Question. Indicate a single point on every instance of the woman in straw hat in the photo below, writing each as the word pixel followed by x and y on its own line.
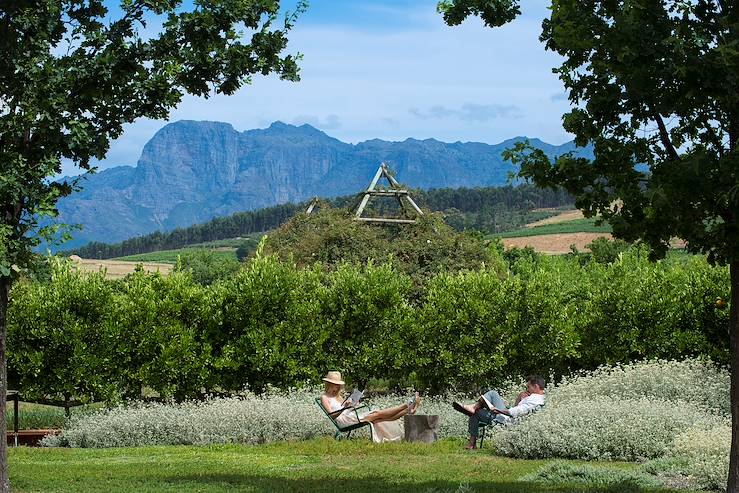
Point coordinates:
pixel 383 422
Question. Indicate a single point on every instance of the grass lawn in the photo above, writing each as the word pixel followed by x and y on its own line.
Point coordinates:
pixel 320 465
pixel 574 226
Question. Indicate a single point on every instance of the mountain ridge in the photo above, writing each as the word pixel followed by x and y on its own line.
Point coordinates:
pixel 191 171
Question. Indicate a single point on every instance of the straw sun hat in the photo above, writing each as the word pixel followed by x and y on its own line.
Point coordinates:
pixel 333 377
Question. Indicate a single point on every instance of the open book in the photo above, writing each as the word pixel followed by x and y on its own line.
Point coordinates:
pixel 353 399
pixel 490 406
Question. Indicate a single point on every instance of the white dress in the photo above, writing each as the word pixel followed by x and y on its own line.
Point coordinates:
pixel 386 431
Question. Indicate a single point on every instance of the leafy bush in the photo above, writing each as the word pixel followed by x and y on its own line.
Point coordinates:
pixel 57 337
pixel 206 266
pixel 332 238
pixel 275 323
pixel 156 338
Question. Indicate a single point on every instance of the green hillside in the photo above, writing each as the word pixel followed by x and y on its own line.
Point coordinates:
pixel 170 256
pixel 573 226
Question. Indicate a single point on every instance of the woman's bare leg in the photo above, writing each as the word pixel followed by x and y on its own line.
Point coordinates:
pixel 389 414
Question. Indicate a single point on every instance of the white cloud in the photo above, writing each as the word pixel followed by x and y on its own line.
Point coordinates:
pixel 359 83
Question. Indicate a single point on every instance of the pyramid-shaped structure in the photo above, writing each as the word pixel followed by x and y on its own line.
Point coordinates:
pixel 395 190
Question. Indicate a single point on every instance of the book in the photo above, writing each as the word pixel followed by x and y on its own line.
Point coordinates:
pixel 488 405
pixel 353 399
pixel 491 407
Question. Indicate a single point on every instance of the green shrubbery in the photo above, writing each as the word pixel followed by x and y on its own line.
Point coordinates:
pixel 82 337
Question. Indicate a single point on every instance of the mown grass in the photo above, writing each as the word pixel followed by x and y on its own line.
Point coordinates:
pixel 575 226
pixel 321 465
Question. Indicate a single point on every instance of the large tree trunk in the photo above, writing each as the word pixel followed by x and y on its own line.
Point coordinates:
pixel 4 299
pixel 733 482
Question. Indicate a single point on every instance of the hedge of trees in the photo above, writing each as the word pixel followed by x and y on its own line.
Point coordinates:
pixel 80 337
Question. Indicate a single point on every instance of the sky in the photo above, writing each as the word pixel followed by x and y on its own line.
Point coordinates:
pixel 391 69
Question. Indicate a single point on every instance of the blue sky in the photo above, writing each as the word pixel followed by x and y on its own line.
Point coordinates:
pixel 393 70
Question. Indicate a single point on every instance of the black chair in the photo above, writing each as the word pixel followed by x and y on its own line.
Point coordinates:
pixel 345 431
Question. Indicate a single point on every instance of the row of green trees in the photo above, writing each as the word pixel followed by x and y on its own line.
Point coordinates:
pixel 82 337
pixel 487 208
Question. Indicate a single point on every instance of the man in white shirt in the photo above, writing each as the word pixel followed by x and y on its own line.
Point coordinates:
pixel 491 407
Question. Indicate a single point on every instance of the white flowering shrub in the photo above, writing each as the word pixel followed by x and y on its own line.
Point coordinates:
pixel 601 428
pixel 245 419
pixel 700 457
pixel 248 419
pixel 693 381
pixel 675 412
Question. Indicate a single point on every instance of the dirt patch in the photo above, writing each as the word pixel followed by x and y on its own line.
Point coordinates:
pixel 556 243
pixel 116 269
pixel 559 218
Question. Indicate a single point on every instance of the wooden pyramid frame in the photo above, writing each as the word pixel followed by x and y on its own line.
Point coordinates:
pixel 395 190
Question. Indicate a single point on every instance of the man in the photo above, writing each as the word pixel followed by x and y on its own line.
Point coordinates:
pixel 490 407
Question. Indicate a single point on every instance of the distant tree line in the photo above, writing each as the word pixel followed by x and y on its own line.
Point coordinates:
pixel 488 209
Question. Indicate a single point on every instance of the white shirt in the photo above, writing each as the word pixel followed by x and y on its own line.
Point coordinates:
pixel 527 405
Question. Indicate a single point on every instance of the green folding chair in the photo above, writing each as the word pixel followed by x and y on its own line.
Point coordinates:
pixel 484 425
pixel 344 431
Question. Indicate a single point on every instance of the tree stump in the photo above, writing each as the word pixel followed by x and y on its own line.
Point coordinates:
pixel 421 427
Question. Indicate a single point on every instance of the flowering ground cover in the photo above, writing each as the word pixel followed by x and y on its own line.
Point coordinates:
pixel 318 465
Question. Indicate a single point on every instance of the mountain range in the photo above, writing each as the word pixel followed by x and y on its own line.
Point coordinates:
pixel 192 171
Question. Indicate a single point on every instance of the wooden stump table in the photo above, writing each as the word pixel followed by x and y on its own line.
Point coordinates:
pixel 421 427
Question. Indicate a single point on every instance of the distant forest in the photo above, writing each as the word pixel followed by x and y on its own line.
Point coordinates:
pixel 488 209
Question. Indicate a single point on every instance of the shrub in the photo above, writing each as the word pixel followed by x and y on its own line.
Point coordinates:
pixel 158 342
pixel 691 381
pixel 602 428
pixel 58 342
pixel 248 419
pixel 699 456
pixel 206 265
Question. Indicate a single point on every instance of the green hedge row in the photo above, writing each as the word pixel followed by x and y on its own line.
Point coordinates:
pixel 79 336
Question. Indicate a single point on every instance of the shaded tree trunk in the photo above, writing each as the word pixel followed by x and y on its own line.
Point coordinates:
pixel 4 300
pixel 733 481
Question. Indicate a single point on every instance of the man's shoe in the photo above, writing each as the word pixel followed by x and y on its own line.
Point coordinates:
pixel 459 407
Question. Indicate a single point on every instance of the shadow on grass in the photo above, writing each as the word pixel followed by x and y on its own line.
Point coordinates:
pixel 237 482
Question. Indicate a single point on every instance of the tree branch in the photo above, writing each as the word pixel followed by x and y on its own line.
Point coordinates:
pixel 665 138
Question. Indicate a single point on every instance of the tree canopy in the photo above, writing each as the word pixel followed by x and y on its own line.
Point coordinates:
pixel 74 72
pixel 653 87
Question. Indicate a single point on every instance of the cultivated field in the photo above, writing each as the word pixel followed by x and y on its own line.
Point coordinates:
pixel 117 269
pixel 555 235
pixel 559 218
pixel 554 243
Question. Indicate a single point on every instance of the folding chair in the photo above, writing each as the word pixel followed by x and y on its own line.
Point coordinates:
pixel 345 431
pixel 484 425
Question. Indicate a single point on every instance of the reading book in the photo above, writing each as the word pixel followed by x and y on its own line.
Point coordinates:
pixel 489 405
pixel 354 398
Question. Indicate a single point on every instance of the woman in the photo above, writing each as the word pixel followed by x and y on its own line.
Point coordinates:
pixel 383 422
